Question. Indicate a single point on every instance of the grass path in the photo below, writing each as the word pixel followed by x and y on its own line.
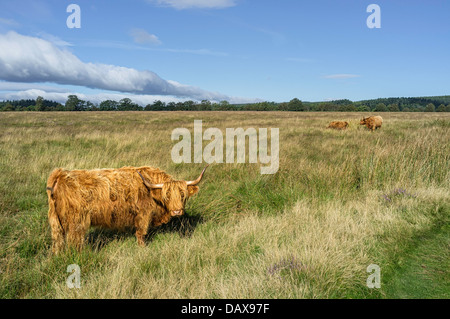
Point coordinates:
pixel 425 270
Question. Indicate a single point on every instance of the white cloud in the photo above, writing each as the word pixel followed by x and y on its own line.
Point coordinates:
pixel 30 59
pixel 341 76
pixel 143 37
pixel 12 86
pixel 186 4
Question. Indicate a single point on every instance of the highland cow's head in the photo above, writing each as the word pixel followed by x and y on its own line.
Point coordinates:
pixel 174 194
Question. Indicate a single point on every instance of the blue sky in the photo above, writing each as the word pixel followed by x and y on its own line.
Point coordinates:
pixel 238 50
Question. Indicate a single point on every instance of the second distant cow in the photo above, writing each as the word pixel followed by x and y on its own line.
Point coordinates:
pixel 338 125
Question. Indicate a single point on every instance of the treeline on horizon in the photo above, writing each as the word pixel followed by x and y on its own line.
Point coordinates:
pixel 73 103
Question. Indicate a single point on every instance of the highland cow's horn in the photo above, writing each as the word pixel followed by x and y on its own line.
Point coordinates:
pixel 147 184
pixel 193 183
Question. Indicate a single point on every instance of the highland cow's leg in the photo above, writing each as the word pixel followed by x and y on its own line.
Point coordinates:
pixel 140 238
pixel 141 223
pixel 75 236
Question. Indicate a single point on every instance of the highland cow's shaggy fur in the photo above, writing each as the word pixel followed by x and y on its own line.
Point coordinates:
pixel 372 122
pixel 111 198
pixel 338 125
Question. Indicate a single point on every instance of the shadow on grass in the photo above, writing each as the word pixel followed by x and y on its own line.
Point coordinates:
pixel 185 225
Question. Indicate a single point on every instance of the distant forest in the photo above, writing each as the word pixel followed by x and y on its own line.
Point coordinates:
pixel 401 104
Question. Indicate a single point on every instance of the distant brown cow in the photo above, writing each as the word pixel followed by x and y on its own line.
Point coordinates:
pixel 372 122
pixel 338 125
pixel 113 198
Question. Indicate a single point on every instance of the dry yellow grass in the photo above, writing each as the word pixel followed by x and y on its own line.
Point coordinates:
pixel 300 253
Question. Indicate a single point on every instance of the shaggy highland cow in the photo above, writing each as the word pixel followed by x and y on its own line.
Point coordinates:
pixel 372 122
pixel 338 125
pixel 113 198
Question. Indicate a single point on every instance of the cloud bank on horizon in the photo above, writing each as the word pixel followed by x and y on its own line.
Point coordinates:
pixel 57 95
pixel 27 59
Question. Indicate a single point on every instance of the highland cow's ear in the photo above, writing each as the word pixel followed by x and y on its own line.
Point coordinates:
pixel 192 190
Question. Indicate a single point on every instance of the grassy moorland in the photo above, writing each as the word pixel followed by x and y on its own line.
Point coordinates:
pixel 340 201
